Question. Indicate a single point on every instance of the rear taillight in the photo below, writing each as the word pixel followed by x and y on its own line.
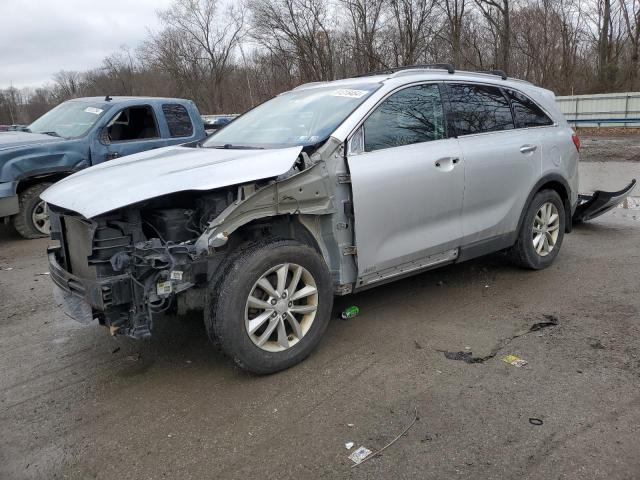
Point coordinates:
pixel 576 141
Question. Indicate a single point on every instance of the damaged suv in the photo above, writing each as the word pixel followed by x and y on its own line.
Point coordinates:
pixel 324 190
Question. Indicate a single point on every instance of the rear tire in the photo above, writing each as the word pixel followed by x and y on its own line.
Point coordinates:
pixel 252 315
pixel 32 220
pixel 541 233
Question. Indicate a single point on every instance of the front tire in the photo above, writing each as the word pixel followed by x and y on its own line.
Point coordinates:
pixel 32 221
pixel 541 233
pixel 270 306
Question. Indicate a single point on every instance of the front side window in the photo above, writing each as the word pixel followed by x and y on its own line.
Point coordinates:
pixel 412 115
pixel 178 120
pixel 527 113
pixel 297 118
pixel 479 109
pixel 133 123
pixel 69 119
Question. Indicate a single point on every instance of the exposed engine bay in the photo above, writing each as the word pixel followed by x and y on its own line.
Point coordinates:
pixel 150 244
pixel 159 255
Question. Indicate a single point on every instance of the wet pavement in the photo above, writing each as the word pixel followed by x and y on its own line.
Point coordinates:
pixel 76 403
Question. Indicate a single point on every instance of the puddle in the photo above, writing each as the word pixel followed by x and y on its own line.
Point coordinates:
pixel 630 203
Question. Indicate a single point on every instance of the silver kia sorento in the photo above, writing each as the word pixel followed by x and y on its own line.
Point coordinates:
pixel 328 189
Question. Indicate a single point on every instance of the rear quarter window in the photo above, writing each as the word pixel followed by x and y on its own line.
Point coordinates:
pixel 527 113
pixel 178 120
pixel 479 109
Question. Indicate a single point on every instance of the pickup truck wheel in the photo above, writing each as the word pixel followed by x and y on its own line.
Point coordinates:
pixel 32 221
pixel 271 306
pixel 541 233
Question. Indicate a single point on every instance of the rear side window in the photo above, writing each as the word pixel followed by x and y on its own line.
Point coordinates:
pixel 412 115
pixel 178 120
pixel 479 109
pixel 527 113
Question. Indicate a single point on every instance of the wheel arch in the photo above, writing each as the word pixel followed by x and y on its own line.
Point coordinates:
pixel 49 177
pixel 556 182
pixel 303 228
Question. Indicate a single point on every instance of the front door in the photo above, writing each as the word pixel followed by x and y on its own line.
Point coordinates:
pixel 407 181
pixel 132 130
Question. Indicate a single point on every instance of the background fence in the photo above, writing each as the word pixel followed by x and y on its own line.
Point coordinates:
pixel 602 110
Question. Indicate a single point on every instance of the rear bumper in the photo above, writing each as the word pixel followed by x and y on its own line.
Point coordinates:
pixel 77 296
pixel 9 204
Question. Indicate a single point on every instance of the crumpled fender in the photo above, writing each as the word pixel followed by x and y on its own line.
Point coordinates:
pixel 306 192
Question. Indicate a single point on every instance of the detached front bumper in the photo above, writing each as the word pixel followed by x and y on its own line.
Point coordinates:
pixel 82 298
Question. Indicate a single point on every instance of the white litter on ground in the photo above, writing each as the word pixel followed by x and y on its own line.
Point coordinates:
pixel 359 455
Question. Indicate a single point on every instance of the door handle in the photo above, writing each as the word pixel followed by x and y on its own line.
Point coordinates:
pixel 443 161
pixel 528 148
pixel 112 155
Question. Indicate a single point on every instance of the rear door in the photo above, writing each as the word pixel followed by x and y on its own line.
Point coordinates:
pixel 179 124
pixel 407 182
pixel 502 162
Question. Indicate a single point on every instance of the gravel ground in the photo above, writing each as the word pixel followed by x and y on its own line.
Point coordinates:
pixel 618 148
pixel 76 403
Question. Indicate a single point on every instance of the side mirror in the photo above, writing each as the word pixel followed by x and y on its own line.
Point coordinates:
pixel 356 142
pixel 103 136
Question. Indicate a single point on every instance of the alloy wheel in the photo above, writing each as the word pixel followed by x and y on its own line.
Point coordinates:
pixel 281 307
pixel 546 227
pixel 40 218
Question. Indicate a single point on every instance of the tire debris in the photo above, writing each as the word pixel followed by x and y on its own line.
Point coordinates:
pixel 467 357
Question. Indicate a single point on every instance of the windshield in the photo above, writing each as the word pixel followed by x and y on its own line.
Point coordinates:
pixel 69 119
pixel 296 118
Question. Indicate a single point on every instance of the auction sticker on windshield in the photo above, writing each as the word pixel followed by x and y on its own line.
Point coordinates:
pixel 348 92
pixel 94 110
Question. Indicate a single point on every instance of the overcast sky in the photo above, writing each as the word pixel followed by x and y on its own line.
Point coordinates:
pixel 41 37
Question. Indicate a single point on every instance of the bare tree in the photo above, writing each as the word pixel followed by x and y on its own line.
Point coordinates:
pixel 296 29
pixel 631 14
pixel 498 15
pixel 366 17
pixel 207 50
pixel 196 46
pixel 454 11
pixel 415 23
pixel 67 84
pixel 604 42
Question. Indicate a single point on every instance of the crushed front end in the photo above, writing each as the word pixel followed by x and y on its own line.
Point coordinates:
pixel 122 268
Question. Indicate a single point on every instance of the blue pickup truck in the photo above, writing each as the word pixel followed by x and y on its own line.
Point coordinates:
pixel 80 133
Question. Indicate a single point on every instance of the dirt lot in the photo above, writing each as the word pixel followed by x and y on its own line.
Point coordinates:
pixel 599 148
pixel 76 403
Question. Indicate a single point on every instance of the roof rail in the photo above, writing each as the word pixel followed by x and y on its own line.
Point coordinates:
pixel 444 66
pixel 501 73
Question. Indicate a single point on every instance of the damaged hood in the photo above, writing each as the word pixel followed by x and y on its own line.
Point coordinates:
pixel 132 179
pixel 10 140
pixel 24 154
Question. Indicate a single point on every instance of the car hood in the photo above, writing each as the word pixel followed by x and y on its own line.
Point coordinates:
pixel 11 140
pixel 25 155
pixel 132 179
